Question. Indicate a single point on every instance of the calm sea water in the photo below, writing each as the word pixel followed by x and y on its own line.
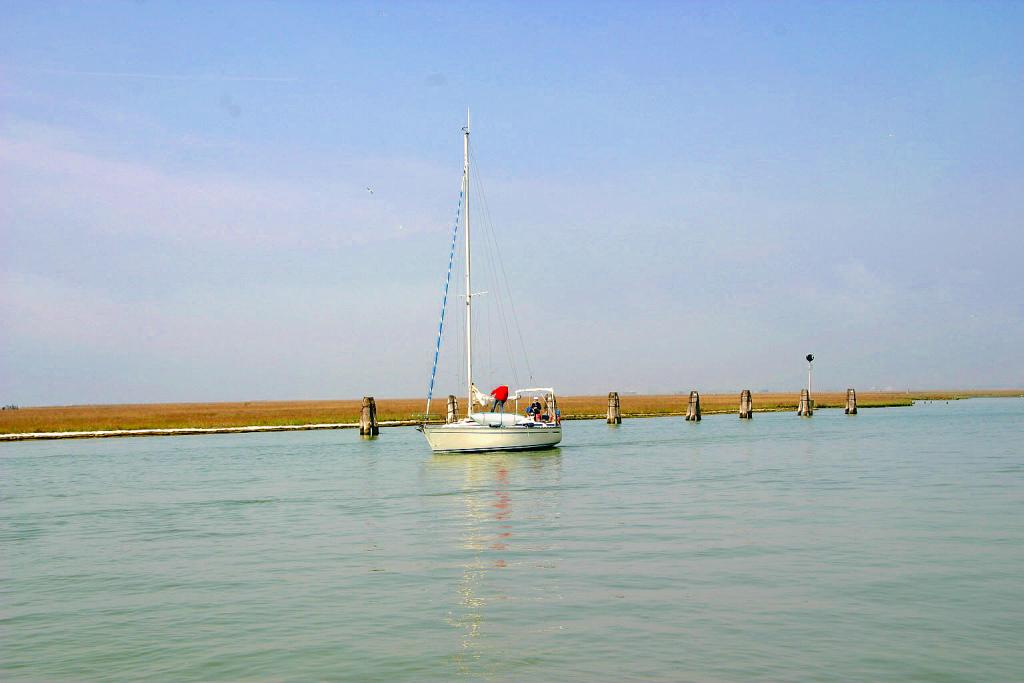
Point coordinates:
pixel 886 546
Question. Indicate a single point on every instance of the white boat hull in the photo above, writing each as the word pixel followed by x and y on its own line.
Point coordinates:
pixel 462 437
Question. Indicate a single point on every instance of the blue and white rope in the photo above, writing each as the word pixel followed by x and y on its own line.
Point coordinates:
pixel 444 300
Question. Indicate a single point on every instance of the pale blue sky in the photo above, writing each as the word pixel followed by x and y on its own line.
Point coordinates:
pixel 699 194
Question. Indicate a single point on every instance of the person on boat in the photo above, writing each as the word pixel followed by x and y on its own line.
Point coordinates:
pixel 500 395
pixel 535 408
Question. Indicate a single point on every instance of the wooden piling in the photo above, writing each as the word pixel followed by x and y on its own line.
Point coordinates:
pixel 614 408
pixel 851 402
pixel 746 405
pixel 368 417
pixel 693 407
pixel 806 408
pixel 453 409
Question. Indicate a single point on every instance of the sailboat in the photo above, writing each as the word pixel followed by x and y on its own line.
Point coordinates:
pixel 488 430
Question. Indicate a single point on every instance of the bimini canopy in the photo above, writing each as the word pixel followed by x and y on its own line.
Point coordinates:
pixel 542 391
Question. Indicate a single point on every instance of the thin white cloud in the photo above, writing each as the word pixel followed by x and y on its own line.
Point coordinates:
pixel 228 78
pixel 115 196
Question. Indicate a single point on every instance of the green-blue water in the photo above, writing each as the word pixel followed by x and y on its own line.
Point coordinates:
pixel 886 546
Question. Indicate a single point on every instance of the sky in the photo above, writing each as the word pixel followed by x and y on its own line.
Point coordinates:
pixel 682 195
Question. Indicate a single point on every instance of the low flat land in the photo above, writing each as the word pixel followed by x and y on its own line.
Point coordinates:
pixel 281 413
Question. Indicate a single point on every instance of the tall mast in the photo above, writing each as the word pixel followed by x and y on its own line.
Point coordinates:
pixel 469 290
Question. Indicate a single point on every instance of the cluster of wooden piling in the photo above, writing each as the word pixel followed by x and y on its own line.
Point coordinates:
pixel 746 405
pixel 806 408
pixel 693 407
pixel 614 408
pixel 368 418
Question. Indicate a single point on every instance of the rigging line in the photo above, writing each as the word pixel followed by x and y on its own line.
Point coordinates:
pixel 501 261
pixel 507 332
pixel 489 324
pixel 460 344
pixel 503 317
pixel 444 300
pixel 504 273
pixel 489 261
pixel 460 357
pixel 490 233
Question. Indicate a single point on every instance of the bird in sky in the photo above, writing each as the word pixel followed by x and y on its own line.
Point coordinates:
pixel 370 190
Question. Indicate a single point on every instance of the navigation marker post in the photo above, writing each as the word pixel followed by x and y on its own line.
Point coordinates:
pixel 806 408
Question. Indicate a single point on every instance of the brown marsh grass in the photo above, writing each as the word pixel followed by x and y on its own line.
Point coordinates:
pixel 278 413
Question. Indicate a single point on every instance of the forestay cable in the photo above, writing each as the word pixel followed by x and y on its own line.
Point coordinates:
pixel 444 300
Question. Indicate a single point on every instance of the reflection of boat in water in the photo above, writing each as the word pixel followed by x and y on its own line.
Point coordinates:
pixel 488 431
pixel 506 503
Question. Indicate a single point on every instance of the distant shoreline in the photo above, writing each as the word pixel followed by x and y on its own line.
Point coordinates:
pixel 166 419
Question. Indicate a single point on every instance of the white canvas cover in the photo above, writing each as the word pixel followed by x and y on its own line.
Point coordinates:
pixel 503 419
